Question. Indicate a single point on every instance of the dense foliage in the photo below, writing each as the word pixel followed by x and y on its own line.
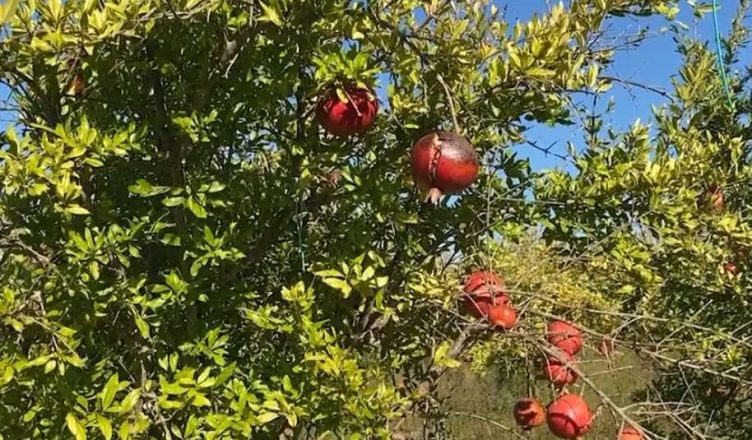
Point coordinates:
pixel 187 254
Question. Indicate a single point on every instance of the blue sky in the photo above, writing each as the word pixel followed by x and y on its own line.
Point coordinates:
pixel 654 62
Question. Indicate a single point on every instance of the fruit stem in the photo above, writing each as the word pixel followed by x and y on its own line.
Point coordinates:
pixel 352 102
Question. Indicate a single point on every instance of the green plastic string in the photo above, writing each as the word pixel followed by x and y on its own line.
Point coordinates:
pixel 719 55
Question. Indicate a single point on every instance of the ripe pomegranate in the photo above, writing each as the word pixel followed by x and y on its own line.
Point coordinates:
pixel 555 369
pixel 479 305
pixel 564 336
pixel 444 163
pixel 568 417
pixel 502 316
pixel 529 413
pixel 484 280
pixel 730 268
pixel 483 290
pixel 347 118
pixel 630 433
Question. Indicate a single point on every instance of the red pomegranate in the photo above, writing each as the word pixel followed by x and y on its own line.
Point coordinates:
pixel 479 305
pixel 529 413
pixel 730 268
pixel 630 433
pixel 555 369
pixel 444 163
pixel 502 316
pixel 564 336
pixel 568 417
pixel 483 290
pixel 347 118
pixel 484 280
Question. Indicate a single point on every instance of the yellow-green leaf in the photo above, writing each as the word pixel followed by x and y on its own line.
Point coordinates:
pixel 75 427
pixel 270 14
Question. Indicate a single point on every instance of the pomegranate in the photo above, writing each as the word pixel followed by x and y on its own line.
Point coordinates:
pixel 714 198
pixel 730 268
pixel 502 316
pixel 568 417
pixel 444 163
pixel 480 305
pixel 564 336
pixel 555 369
pixel 347 118
pixel 483 290
pixel 529 413
pixel 484 280
pixel 630 433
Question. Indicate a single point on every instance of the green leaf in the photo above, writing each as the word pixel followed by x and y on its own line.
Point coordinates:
pixel 195 207
pixel 171 240
pixel 540 72
pixel 125 430
pixel 173 201
pixel 129 401
pixel 110 388
pixel 76 209
pixel 75 427
pixel 266 417
pixel 105 426
pixel 199 400
pixel 142 325
pixel 270 14
pixel 339 284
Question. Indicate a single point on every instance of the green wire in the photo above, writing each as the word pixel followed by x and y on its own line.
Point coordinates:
pixel 719 55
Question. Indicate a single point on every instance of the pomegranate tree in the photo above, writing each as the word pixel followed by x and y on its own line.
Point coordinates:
pixel 352 115
pixel 444 163
pixel 564 336
pixel 569 416
pixel 529 413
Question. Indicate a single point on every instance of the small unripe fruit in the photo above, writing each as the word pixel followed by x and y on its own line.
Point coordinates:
pixel 444 163
pixel 529 413
pixel 503 316
pixel 347 118
pixel 730 268
pixel 564 336
pixel 568 417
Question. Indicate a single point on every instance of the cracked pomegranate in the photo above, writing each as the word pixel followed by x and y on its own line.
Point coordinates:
pixel 555 369
pixel 483 290
pixel 444 163
pixel 568 417
pixel 564 336
pixel 529 413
